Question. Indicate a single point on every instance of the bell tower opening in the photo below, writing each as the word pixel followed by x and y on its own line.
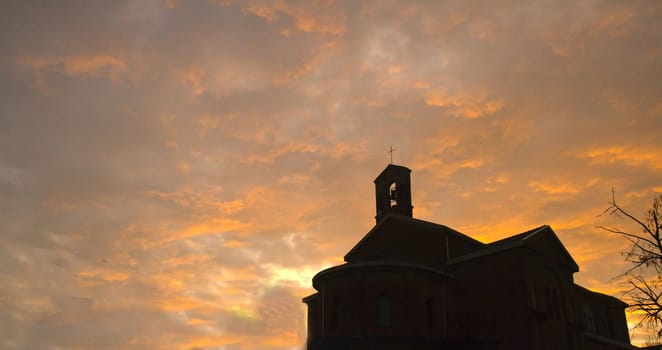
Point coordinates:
pixel 393 192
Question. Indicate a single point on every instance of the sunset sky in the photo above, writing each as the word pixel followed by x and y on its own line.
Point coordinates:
pixel 173 173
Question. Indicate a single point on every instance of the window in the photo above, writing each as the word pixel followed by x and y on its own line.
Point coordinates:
pixel 384 311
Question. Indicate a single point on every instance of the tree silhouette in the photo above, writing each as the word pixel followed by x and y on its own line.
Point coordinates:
pixel 644 277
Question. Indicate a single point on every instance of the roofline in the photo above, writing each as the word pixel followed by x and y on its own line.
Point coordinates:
pixel 513 242
pixel 452 230
pixel 527 234
pixel 390 216
pixel 308 298
pixel 574 263
pixel 489 250
pixel 391 165
pixel 379 264
pixel 365 237
pixel 602 295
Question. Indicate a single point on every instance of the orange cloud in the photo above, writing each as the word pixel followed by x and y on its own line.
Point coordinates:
pixel 312 19
pixel 211 227
pixel 656 111
pixel 235 244
pixel 465 106
pixel 100 276
pixel 356 151
pixel 300 275
pixel 215 341
pixel 186 260
pixel 578 35
pixel 177 303
pixel 310 63
pixel 588 245
pixel 442 168
pixel 612 23
pixel 199 322
pixel 193 78
pixel 272 155
pixel 492 231
pixel 78 65
pixel 560 187
pixel 219 80
pixel 101 65
pixel 650 157
pixel 203 201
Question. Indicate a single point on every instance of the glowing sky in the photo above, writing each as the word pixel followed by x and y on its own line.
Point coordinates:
pixel 172 174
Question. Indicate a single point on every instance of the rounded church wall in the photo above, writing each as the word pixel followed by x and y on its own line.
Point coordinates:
pixel 387 299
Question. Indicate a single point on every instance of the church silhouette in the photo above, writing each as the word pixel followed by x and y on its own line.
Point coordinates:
pixel 413 284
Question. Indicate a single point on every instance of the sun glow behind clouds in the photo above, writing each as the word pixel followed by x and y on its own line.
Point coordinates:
pixel 301 276
pixel 173 174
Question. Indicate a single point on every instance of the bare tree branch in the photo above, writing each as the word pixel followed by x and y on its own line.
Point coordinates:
pixel 644 277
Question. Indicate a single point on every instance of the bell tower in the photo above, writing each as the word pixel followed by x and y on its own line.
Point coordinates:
pixel 393 192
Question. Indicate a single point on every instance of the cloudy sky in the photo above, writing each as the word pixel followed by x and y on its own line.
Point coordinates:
pixel 172 174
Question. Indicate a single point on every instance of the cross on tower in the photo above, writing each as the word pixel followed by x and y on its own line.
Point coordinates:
pixel 391 149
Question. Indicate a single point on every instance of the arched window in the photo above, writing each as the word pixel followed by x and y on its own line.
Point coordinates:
pixel 430 312
pixel 384 311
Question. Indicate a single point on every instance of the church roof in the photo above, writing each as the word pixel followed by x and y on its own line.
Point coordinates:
pixel 392 168
pixel 400 237
pixel 379 265
pixel 414 227
pixel 603 298
pixel 500 245
pixel 520 236
pixel 527 239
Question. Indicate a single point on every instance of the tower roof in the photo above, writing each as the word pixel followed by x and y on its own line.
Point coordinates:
pixel 392 169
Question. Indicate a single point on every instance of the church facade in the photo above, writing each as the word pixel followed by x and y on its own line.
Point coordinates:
pixel 413 284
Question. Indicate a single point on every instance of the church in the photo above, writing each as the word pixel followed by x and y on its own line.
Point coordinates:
pixel 414 284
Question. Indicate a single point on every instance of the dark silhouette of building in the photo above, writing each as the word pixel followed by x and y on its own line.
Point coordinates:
pixel 413 284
